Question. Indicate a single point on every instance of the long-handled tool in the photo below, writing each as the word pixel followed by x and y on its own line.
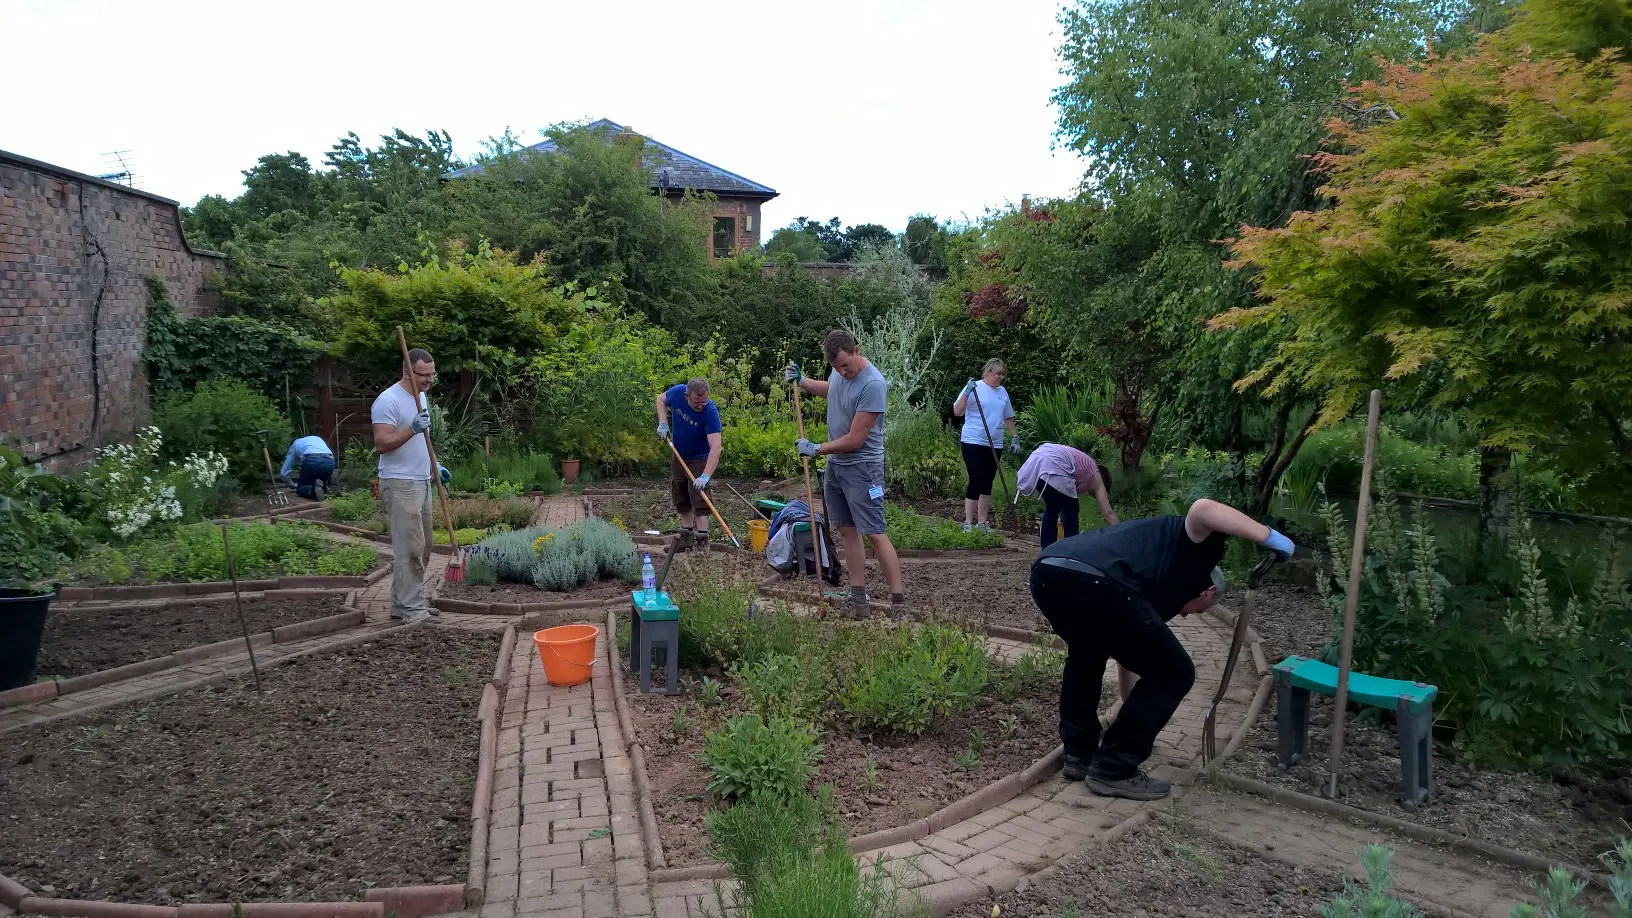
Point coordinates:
pixel 238 602
pixel 275 498
pixel 810 501
pixel 996 459
pixel 1243 621
pixel 702 492
pixel 456 563
pixel 1351 599
pixel 750 504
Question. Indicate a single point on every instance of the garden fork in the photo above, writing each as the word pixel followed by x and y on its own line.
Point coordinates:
pixel 1243 621
pixel 275 498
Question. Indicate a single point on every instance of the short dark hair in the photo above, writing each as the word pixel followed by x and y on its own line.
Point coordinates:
pixel 419 355
pixel 838 340
pixel 697 386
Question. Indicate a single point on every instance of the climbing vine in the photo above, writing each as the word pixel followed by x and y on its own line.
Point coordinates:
pixel 182 352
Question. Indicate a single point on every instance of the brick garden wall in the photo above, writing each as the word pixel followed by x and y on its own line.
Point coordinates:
pixel 67 240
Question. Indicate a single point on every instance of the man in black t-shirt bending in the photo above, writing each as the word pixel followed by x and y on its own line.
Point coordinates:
pixel 1109 595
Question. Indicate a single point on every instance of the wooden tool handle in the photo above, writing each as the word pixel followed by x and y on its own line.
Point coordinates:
pixel 810 499
pixel 701 492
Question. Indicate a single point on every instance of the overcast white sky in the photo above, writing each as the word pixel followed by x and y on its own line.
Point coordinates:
pixel 869 111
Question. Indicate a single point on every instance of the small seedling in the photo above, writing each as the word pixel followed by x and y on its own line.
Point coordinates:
pixel 600 833
pixel 711 692
pixel 967 760
pixel 682 724
pixel 869 773
pixel 977 742
pixel 1007 726
pixel 1071 910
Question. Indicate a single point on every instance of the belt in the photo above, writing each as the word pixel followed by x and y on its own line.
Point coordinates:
pixel 1073 565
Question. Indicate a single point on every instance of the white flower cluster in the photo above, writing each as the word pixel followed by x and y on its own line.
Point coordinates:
pixel 134 500
pixel 205 470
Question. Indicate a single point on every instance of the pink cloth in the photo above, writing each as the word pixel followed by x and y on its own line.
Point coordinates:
pixel 1068 470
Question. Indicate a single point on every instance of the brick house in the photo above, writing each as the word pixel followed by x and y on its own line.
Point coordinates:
pixel 75 255
pixel 736 215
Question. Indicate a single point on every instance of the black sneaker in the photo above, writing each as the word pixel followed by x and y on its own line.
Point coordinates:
pixel 318 490
pixel 1075 769
pixel 1138 787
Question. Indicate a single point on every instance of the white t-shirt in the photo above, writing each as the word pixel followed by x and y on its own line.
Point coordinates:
pixel 411 460
pixel 998 408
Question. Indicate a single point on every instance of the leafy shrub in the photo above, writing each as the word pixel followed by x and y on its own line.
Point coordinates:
pixel 715 624
pixel 754 759
pixel 37 535
pixel 912 530
pixel 921 457
pixel 480 569
pixel 765 450
pixel 195 554
pixel 353 506
pixel 1059 415
pixel 1419 468
pixel 511 554
pixel 560 559
pixel 485 513
pixel 1038 667
pixel 1376 898
pixel 131 491
pixel 222 416
pixel 521 470
pixel 902 678
pixel 783 685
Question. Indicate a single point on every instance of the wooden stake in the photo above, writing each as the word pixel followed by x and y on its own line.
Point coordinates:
pixel 238 601
pixel 1351 599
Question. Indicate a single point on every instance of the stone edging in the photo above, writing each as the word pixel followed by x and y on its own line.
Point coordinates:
pixel 637 756
pixel 205 588
pixel 465 607
pixel 45 691
pixel 1465 844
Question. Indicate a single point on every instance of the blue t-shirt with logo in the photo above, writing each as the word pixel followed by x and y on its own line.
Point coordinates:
pixel 689 427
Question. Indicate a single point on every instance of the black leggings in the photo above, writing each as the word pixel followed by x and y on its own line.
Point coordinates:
pixel 1057 507
pixel 982 467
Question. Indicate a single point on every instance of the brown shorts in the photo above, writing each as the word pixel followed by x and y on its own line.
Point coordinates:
pixel 687 502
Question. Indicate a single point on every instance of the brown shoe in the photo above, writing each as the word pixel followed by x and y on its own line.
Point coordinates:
pixel 702 542
pixel 685 540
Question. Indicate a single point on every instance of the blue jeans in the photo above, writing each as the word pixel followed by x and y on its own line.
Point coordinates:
pixel 312 470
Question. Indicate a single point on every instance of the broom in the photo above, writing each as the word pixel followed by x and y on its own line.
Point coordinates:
pixel 1243 620
pixel 456 564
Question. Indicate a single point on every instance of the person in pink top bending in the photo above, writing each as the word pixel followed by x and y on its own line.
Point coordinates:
pixel 1060 474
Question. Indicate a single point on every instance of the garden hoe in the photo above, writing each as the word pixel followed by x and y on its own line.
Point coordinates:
pixel 1243 621
pixel 702 493
pixel 1014 517
pixel 275 498
pixel 456 562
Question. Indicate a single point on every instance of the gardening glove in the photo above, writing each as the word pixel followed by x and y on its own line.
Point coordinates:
pixel 287 481
pixel 662 430
pixel 1280 545
pixel 443 473
pixel 968 387
pixel 792 374
pixel 702 481
pixel 1014 445
pixel 420 423
pixel 805 447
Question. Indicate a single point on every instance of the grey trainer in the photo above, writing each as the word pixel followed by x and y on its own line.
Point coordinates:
pixel 1138 787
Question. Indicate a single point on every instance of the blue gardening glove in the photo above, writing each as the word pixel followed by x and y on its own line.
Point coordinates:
pixel 792 373
pixel 420 423
pixel 1280 545
pixel 662 430
pixel 968 387
pixel 805 447
pixel 702 481
pixel 1014 445
pixel 443 473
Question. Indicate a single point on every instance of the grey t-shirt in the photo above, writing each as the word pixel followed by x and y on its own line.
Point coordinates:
pixel 845 397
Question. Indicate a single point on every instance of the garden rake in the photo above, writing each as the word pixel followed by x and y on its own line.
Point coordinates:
pixel 275 498
pixel 1243 621
pixel 455 572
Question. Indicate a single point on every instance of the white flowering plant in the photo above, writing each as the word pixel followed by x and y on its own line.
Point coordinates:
pixel 136 493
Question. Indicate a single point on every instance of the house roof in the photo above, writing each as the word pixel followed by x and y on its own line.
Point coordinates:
pixel 674 170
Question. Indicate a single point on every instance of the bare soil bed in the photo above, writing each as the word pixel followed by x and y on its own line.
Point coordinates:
pixel 1165 870
pixel 353 769
pixel 1571 819
pixel 87 640
pixel 915 776
pixel 652 508
pixel 519 593
pixel 999 594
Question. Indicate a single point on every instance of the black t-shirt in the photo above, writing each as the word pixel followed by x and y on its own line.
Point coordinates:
pixel 1153 557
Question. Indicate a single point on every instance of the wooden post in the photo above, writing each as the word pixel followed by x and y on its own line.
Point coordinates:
pixel 1351 599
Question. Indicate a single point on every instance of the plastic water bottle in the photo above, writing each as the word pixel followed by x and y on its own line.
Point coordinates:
pixel 648 582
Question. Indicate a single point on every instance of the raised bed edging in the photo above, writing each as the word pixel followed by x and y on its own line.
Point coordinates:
pixel 475 888
pixel 465 607
pixel 637 756
pixel 210 587
pixel 45 691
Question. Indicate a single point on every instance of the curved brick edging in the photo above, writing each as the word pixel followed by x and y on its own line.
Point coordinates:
pixel 1463 843
pixel 649 838
pixel 45 691
pixel 418 901
pixel 481 804
pixel 501 667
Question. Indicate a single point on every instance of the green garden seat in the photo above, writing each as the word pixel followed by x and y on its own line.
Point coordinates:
pixel 656 628
pixel 1411 702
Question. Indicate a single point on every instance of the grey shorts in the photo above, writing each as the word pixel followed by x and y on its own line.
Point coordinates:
pixel 847 494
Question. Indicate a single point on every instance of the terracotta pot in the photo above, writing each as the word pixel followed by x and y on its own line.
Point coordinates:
pixel 569 470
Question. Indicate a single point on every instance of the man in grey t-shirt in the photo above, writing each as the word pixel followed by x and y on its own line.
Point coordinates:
pixel 853 487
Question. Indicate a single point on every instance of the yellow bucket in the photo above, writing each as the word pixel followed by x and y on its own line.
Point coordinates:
pixel 1059 528
pixel 759 535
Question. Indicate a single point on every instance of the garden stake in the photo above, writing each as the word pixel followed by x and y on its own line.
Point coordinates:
pixel 701 493
pixel 810 501
pixel 1351 598
pixel 232 571
pixel 1013 517
pixel 1243 621
pixel 275 498
pixel 455 572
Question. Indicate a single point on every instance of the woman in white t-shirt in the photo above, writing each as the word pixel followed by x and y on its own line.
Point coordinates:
pixel 987 412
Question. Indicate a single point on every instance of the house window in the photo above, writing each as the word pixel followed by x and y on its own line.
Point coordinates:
pixel 725 236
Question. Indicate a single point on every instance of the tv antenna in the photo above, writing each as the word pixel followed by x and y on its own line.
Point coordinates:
pixel 125 174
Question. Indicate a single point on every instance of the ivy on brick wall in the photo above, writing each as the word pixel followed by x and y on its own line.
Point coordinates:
pixel 183 352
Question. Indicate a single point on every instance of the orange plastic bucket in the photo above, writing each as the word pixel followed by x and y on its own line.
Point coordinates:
pixel 568 652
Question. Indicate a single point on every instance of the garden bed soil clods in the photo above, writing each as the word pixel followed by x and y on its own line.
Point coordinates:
pixel 87 640
pixel 915 775
pixel 1574 818
pixel 518 593
pixel 986 590
pixel 354 769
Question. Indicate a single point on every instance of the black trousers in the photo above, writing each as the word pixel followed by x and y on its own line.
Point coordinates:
pixel 1058 508
pixel 982 467
pixel 1100 621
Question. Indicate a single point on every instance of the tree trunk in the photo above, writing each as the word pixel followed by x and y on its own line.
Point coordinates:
pixel 1495 499
pixel 1269 474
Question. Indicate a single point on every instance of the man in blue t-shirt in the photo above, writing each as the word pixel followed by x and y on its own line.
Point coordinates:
pixel 696 434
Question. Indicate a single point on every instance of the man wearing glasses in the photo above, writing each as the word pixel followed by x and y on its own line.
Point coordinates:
pixel 401 416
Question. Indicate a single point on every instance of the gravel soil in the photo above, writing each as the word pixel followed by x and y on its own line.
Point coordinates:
pixel 1567 818
pixel 353 769
pixel 87 640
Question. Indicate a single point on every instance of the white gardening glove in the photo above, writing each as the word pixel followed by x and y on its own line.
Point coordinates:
pixel 420 423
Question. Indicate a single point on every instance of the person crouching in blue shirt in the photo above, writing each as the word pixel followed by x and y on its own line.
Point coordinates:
pixel 695 432
pixel 316 467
